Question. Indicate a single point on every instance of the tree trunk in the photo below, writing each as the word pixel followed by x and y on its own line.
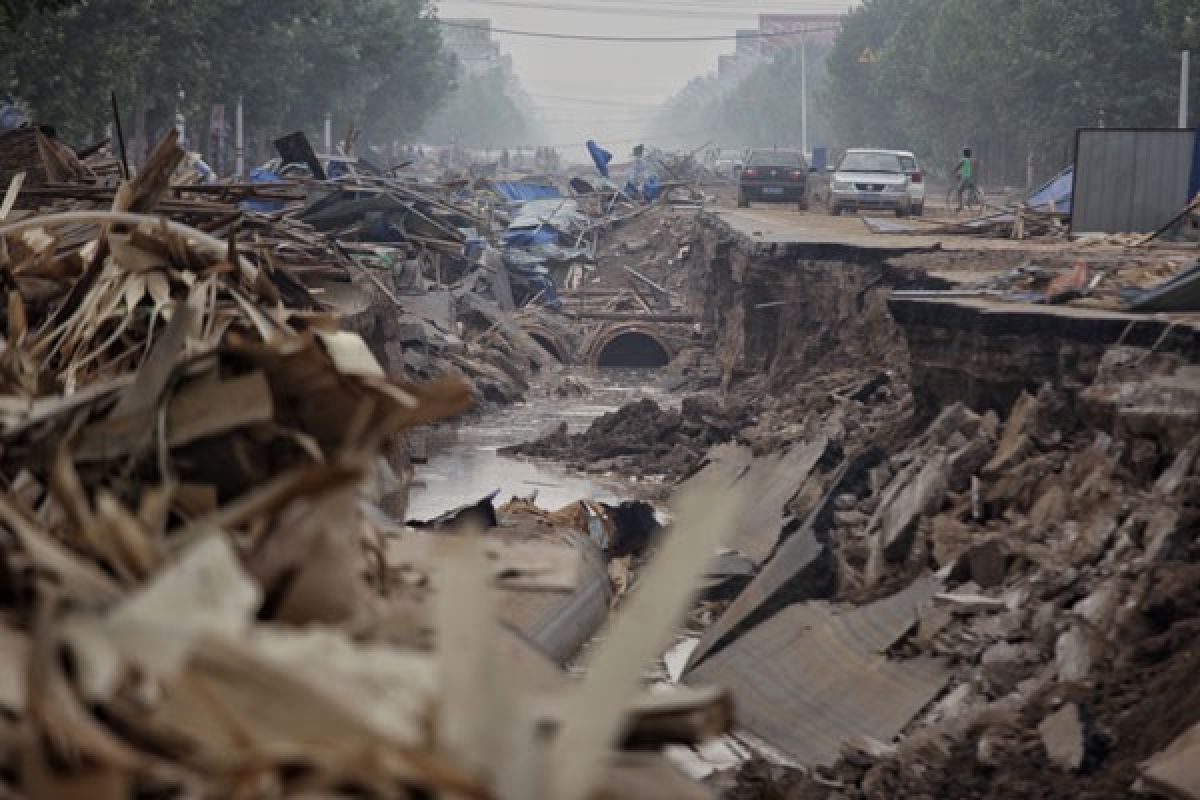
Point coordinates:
pixel 139 145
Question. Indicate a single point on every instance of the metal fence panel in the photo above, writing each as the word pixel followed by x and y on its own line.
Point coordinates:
pixel 1130 181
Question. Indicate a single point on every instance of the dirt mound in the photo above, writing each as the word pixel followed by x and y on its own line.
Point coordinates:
pixel 642 438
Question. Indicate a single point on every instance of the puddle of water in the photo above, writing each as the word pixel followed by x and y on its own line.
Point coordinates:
pixel 464 464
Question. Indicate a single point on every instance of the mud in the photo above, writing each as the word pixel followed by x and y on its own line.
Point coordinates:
pixel 642 439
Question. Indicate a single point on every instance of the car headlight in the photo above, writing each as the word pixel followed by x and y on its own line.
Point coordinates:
pixel 843 186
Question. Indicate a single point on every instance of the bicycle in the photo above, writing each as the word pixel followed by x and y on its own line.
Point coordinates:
pixel 972 199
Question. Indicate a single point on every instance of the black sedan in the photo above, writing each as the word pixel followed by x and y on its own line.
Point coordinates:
pixel 774 176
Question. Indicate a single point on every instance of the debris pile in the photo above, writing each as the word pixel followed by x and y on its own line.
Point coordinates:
pixel 395 259
pixel 201 595
pixel 1013 604
pixel 1130 280
pixel 642 439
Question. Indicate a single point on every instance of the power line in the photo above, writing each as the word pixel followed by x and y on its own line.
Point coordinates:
pixel 580 37
pixel 667 10
pixel 591 102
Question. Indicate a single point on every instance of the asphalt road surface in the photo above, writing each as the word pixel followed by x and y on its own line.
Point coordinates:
pixel 783 224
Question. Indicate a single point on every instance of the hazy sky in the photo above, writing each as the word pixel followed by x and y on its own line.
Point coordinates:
pixel 603 90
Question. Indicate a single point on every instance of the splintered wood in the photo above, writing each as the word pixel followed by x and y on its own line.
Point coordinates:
pixel 199 598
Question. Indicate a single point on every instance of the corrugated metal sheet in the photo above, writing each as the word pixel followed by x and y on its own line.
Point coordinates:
pixel 1130 181
pixel 1055 194
pixel 559 623
pixel 802 566
pixel 772 480
pixel 813 676
pixel 1178 293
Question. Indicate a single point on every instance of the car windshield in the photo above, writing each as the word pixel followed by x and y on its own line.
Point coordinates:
pixel 909 164
pixel 775 158
pixel 871 162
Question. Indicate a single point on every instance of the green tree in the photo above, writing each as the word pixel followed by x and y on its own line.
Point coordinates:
pixel 855 98
pixel 13 12
pixel 378 63
pixel 1012 79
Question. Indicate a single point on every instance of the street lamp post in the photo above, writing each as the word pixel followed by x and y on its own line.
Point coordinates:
pixel 1184 87
pixel 804 93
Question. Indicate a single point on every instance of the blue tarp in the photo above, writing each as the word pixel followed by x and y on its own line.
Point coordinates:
pixel 652 189
pixel 1059 191
pixel 599 155
pixel 528 237
pixel 263 175
pixel 528 270
pixel 11 117
pixel 520 192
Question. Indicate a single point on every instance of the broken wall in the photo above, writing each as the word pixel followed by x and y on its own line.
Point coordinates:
pixel 985 354
pixel 786 309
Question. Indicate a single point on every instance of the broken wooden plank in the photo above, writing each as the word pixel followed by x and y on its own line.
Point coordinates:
pixel 216 407
pixel 10 196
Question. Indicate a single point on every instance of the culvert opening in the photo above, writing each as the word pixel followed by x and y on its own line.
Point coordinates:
pixel 633 349
pixel 549 346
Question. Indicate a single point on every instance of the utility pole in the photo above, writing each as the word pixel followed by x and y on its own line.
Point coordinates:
pixel 240 144
pixel 804 93
pixel 180 122
pixel 1184 87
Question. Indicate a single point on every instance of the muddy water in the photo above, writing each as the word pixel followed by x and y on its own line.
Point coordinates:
pixel 464 464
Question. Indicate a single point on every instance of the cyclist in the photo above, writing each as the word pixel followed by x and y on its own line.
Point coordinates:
pixel 966 177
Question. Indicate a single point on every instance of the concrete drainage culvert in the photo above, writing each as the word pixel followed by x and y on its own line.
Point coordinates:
pixel 550 341
pixel 629 345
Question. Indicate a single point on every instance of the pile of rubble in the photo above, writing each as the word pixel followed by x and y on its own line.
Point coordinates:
pixel 982 609
pixel 201 595
pixel 641 439
pixel 428 267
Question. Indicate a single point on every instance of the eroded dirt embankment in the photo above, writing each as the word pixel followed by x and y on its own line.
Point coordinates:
pixel 1053 498
pixel 781 310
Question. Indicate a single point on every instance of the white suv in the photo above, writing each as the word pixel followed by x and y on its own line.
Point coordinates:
pixel 878 179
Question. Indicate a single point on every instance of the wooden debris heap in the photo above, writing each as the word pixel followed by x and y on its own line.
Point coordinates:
pixel 195 592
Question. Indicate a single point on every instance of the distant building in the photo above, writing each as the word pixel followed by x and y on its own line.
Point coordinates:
pixel 783 31
pixel 749 43
pixel 775 32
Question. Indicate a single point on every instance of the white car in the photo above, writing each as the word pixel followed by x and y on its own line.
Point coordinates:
pixel 878 179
